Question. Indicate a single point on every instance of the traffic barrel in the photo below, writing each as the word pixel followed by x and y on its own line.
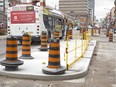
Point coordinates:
pixel 110 37
pixel 67 34
pixel 26 47
pixel 84 35
pixel 70 33
pixel 99 31
pixel 54 66
pixel 11 62
pixel 107 33
pixel 44 46
pixel 56 34
pixel 92 31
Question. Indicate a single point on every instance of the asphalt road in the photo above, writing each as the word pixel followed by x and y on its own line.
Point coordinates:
pixel 102 70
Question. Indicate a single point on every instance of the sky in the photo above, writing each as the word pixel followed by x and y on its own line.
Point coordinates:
pixel 101 6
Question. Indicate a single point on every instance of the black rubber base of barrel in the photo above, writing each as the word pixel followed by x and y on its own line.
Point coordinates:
pixel 26 57
pixel 11 65
pixel 55 71
pixel 43 49
pixel 11 68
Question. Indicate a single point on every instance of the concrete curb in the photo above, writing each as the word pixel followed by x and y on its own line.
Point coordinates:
pixel 3 37
pixel 67 76
pixel 47 77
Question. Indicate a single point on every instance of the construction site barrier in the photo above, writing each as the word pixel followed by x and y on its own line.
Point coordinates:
pixel 44 44
pixel 11 62
pixel 54 66
pixel 26 47
pixel 79 47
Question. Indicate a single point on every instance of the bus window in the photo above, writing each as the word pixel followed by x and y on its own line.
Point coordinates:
pixel 45 18
pixel 58 24
pixel 50 22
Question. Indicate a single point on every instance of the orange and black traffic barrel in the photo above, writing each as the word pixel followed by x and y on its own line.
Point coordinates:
pixel 107 33
pixel 70 33
pixel 99 31
pixel 84 35
pixel 56 34
pixel 26 47
pixel 54 66
pixel 70 26
pixel 54 54
pixel 67 34
pixel 44 46
pixel 110 37
pixel 11 62
pixel 92 32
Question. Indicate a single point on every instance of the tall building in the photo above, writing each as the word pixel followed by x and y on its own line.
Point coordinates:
pixel 91 10
pixel 77 8
pixel 74 7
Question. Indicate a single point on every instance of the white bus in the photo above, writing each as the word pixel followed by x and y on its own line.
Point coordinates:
pixel 33 20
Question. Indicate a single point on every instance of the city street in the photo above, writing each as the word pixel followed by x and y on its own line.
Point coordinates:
pixel 73 43
pixel 102 70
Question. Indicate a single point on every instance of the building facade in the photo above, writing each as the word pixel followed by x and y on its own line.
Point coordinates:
pixel 2 10
pixel 91 10
pixel 80 9
pixel 74 7
pixel 114 23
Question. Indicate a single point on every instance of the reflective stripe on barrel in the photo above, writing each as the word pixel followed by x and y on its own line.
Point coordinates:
pixel 54 54
pixel 11 49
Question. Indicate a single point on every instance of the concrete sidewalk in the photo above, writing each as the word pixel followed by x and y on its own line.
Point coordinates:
pixel 2 37
pixel 32 68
